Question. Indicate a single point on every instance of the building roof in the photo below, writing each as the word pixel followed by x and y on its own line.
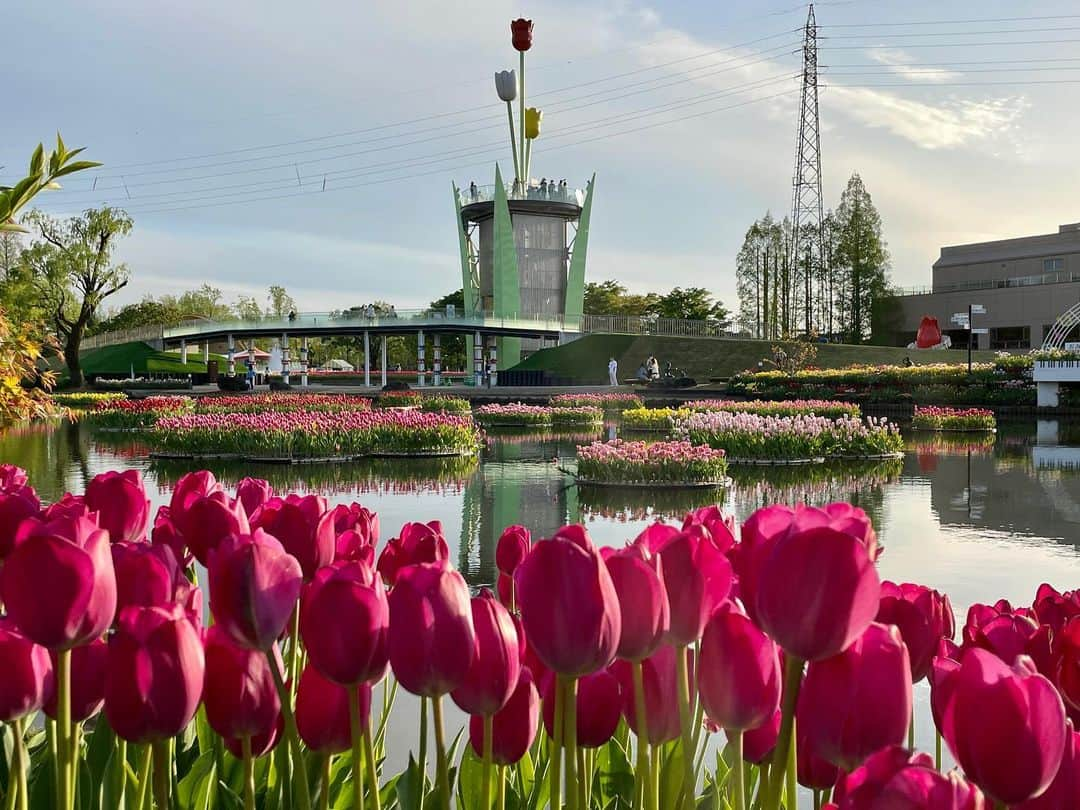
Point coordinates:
pixel 1066 240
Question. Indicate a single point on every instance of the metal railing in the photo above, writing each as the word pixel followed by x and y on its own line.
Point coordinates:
pixel 552 192
pixel 651 325
pixel 993 284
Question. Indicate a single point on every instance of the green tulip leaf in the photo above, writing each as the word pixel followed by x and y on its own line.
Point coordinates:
pixel 198 788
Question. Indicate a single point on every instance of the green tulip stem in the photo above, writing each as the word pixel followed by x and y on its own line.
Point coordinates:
pixel 249 773
pixel 521 123
pixel 654 776
pixel 17 785
pixel 937 749
pixel 64 749
pixel 500 781
pixel 817 800
pixel 357 748
pixel 685 722
pixel 162 763
pixel 294 651
pixel 641 775
pixel 117 777
pixel 423 749
pixel 442 776
pixel 372 767
pixel 144 778
pixel 513 144
pixel 555 771
pixel 739 768
pixel 582 780
pixel 300 773
pixel 324 796
pixel 485 791
pixel 792 775
pixel 792 683
pixel 911 732
pixel 570 739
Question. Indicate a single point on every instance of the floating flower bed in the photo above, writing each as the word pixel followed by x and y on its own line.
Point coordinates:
pixel 119 695
pixel 86 400
pixel 663 464
pixel 612 401
pixel 829 408
pixel 958 419
pixel 130 414
pixel 304 435
pixel 576 417
pixel 398 399
pixel 867 438
pixel 281 403
pixel 514 414
pixel 652 420
pixel 440 403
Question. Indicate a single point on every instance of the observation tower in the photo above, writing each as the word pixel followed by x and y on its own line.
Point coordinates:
pixel 523 243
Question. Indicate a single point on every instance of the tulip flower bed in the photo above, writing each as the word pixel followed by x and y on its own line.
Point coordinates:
pixel 650 464
pixel 130 414
pixel 591 681
pixel 514 415
pixel 830 409
pixel 312 435
pixel 398 399
pixel 281 403
pixel 439 403
pixel 652 420
pixel 568 418
pixel 86 400
pixel 790 439
pixel 957 419
pixel 612 401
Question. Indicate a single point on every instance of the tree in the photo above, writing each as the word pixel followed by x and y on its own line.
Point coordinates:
pixel 73 272
pixel 147 312
pixel 861 258
pixel 764 281
pixel 247 308
pixel 692 304
pixel 280 302
pixel 454 348
pixel 203 302
pixel 612 298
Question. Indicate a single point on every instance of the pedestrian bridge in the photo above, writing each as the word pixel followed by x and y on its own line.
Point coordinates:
pixel 1049 374
pixel 429 326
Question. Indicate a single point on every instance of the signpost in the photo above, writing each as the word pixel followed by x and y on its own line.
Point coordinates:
pixel 963 320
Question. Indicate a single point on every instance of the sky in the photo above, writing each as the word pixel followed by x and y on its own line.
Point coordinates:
pixel 313 145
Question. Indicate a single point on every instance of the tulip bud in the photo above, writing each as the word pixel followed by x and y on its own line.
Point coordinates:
pixel 697 577
pixel 167 533
pixel 89 663
pixel 758 743
pixel 568 604
pixel 28 674
pixel 599 707
pixel 986 702
pixel 923 617
pixel 638 579
pixel 146 575
pixel 533 117
pixel 1065 789
pixel 254 585
pixel 58 583
pixel 303 526
pixel 721 526
pixel 1055 609
pixel 239 693
pixel 812 770
pixel 514 726
pixel 432 640
pixel 738 672
pixel 120 500
pixel 521 31
pixel 17 502
pixel 417 543
pixel 253 493
pixel 894 777
pixel 190 487
pixel 496 665
pixel 155 672
pixel 206 521
pixel 345 623
pixel 513 546
pixel 322 711
pixel 12 476
pixel 506 85
pixel 860 700
pixel 659 675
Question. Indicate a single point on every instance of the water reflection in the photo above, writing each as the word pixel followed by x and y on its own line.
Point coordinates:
pixel 979 516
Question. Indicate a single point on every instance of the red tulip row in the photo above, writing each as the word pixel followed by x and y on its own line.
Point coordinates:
pixel 784 633
pixel 931 417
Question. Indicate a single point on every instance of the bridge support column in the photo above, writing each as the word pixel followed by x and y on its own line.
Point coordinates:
pixel 183 351
pixel 436 359
pixel 231 357
pixel 367 359
pixel 420 375
pixel 206 352
pixel 478 359
pixel 382 365
pixel 285 358
pixel 493 362
pixel 303 361
pixel 1046 394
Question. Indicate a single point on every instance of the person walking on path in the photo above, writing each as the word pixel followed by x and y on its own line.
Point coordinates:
pixel 613 371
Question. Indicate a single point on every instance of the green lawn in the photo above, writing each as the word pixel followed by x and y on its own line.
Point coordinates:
pixel 143 359
pixel 585 360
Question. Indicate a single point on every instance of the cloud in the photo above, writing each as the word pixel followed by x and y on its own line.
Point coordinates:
pixel 902 64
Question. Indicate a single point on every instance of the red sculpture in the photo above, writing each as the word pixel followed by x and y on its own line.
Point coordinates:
pixel 929 334
pixel 521 33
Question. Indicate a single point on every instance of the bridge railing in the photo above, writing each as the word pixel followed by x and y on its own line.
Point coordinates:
pixel 652 325
pixel 146 334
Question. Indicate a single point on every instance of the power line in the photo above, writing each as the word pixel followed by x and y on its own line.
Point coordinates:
pixel 956 33
pixel 911 45
pixel 928 85
pixel 953 22
pixel 911 69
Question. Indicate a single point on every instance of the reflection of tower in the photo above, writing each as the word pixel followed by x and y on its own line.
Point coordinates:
pixel 523 244
pixel 807 210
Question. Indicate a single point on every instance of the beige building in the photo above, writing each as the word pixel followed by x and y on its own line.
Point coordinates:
pixel 1024 284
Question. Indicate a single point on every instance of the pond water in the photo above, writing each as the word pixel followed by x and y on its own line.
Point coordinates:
pixel 977 517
